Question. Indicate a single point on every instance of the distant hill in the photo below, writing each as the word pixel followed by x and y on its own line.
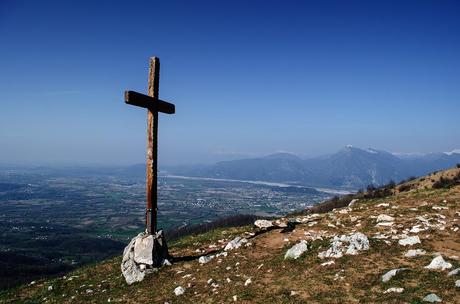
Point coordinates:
pixel 351 168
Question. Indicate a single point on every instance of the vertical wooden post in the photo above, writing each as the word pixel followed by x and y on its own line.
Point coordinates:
pixel 152 148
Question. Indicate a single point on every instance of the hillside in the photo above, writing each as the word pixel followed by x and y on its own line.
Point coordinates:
pixel 349 168
pixel 401 228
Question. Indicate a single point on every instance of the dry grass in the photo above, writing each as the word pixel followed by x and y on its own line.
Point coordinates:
pixel 352 279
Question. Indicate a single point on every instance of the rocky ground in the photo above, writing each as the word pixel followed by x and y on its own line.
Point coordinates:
pixel 402 248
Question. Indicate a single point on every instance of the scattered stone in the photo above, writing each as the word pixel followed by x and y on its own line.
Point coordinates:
pixel 235 243
pixel 387 276
pixel 454 272
pixel 383 205
pixel 414 252
pixel 394 289
pixel 247 282
pixel 438 263
pixel 409 240
pixel 346 244
pixel 439 208
pixel 50 287
pixel 328 263
pixel 432 298
pixel 352 202
pixel 416 229
pixel 457 283
pixel 385 224
pixel 166 262
pixel 296 250
pixel 179 290
pixel 206 259
pixel 385 218
pixel 263 224
pixel 234 298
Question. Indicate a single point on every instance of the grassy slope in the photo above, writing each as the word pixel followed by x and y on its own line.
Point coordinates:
pixel 351 279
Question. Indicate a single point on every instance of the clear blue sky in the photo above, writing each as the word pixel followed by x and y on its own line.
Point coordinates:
pixel 247 77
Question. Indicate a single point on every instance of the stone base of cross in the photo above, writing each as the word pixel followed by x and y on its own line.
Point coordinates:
pixel 148 250
pixel 144 254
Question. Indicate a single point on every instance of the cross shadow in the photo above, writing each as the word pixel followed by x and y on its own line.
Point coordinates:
pixel 289 228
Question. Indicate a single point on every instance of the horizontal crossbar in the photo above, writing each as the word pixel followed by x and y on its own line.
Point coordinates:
pixel 145 101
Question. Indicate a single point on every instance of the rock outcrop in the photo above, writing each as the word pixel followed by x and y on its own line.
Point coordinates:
pixel 346 244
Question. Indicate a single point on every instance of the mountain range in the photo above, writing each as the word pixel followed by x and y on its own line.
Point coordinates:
pixel 349 168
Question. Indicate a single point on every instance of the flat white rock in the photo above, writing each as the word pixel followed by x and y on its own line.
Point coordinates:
pixel 296 251
pixel 263 224
pixel 385 224
pixel 432 298
pixel 410 240
pixel 438 263
pixel 414 252
pixel 388 275
pixel 385 218
pixel 235 243
pixel 205 259
pixel 454 272
pixel 457 283
pixel 394 289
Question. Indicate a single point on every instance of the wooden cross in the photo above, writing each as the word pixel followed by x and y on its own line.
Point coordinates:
pixel 154 105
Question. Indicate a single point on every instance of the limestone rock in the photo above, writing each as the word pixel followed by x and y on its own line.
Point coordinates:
pixel 143 249
pixel 235 243
pixel 296 251
pixel 388 275
pixel 328 263
pixel 346 244
pixel 263 224
pixel 129 268
pixel 454 272
pixel 410 240
pixel 142 254
pixel 394 289
pixel 438 263
pixel 414 252
pixel 432 298
pixel 205 259
pixel 457 283
pixel 385 218
pixel 352 202
pixel 179 290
